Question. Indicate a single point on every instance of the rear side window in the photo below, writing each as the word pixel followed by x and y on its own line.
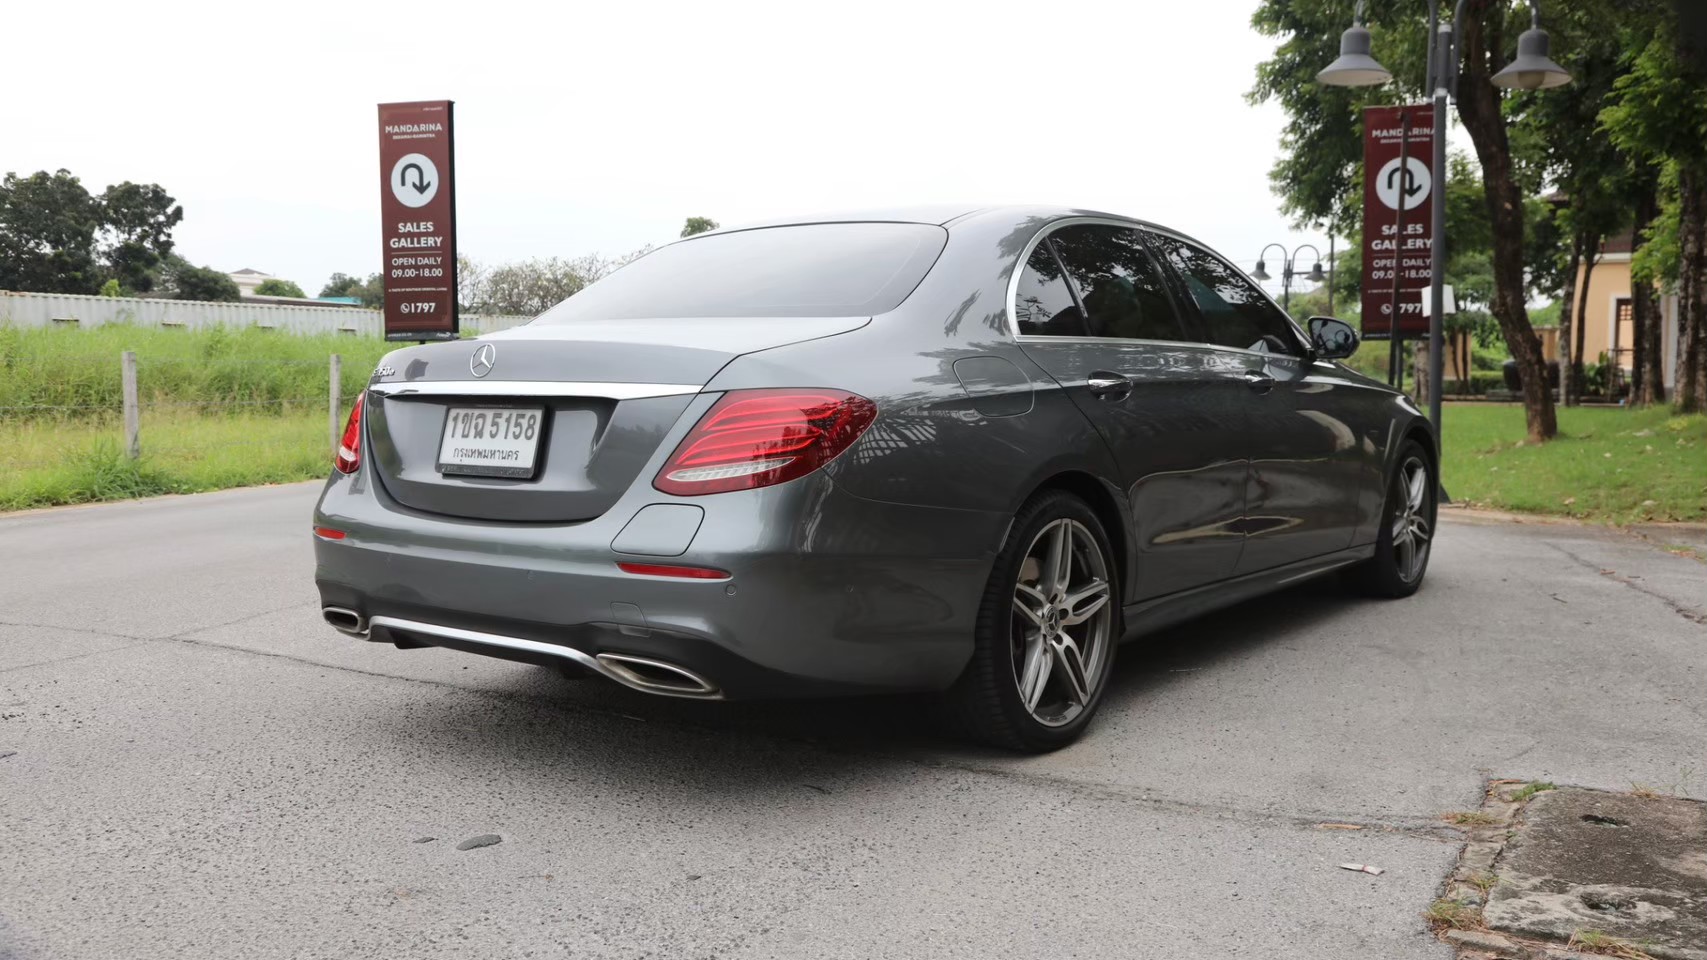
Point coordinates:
pixel 1235 313
pixel 1121 286
pixel 1043 303
pixel 804 270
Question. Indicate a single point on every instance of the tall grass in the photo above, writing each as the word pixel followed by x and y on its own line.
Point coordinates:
pixel 78 370
pixel 52 462
pixel 219 408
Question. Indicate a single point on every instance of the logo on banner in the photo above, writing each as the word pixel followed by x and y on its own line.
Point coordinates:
pixel 414 180
pixel 1412 183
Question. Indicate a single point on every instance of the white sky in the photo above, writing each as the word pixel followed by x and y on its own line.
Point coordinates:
pixel 586 128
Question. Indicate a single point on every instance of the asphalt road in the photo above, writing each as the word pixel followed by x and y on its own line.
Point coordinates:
pixel 192 765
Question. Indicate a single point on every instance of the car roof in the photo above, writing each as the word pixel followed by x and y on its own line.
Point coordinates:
pixel 944 214
pixel 938 213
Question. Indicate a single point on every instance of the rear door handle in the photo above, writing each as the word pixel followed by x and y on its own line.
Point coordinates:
pixel 1259 381
pixel 1108 386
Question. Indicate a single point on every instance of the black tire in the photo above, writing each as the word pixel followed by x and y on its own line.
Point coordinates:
pixel 986 702
pixel 1389 574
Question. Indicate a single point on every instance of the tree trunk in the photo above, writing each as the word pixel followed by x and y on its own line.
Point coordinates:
pixel 1692 290
pixel 1593 257
pixel 1463 363
pixel 1479 108
pixel 1422 385
pixel 1646 386
pixel 1570 387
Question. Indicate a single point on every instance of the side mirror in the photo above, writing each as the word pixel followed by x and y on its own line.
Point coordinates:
pixel 1332 339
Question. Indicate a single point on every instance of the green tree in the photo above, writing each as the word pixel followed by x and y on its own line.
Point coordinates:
pixel 340 285
pixel 136 232
pixel 48 224
pixel 1318 172
pixel 274 287
pixel 1594 190
pixel 189 282
pixel 698 225
pixel 371 292
pixel 55 237
pixel 1658 113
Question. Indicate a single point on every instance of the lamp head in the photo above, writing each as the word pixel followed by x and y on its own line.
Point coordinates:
pixel 1532 69
pixel 1355 67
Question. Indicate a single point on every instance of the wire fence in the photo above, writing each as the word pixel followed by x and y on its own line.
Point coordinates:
pixel 248 411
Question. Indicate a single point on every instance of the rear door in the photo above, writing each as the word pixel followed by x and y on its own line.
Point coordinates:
pixel 1093 310
pixel 1309 442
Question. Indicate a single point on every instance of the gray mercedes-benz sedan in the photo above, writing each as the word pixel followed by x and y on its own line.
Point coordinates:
pixel 965 451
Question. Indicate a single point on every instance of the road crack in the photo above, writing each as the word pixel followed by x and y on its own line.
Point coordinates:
pixel 1692 614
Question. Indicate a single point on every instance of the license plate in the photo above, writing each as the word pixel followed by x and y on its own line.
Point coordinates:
pixel 491 441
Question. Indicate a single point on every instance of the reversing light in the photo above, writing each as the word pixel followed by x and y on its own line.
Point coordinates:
pixel 755 438
pixel 671 570
pixel 349 456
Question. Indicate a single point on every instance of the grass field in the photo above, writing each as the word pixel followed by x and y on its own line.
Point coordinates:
pixel 235 408
pixel 1608 463
pixel 78 370
pixel 52 462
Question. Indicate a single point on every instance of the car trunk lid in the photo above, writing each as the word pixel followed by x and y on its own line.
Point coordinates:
pixel 606 392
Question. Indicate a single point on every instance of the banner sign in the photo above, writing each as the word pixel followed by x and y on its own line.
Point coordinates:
pixel 1398 230
pixel 417 205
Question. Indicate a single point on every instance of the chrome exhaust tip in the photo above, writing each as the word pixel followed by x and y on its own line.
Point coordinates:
pixel 636 673
pixel 655 676
pixel 345 621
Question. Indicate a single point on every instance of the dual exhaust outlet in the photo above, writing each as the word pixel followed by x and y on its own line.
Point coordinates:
pixel 638 673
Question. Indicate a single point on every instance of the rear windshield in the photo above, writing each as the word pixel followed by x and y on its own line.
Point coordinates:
pixel 808 270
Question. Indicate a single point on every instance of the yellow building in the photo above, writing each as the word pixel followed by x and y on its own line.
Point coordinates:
pixel 1607 325
pixel 1606 320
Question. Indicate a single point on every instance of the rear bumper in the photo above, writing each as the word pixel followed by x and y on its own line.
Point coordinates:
pixel 827 593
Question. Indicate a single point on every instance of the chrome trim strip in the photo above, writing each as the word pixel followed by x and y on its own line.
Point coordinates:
pixel 1053 225
pixel 1188 344
pixel 532 388
pixel 1313 572
pixel 1025 255
pixel 596 664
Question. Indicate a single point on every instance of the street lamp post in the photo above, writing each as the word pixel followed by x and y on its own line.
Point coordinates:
pixel 1288 270
pixel 1530 70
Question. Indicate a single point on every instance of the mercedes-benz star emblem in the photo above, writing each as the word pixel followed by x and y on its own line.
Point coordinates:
pixel 480 364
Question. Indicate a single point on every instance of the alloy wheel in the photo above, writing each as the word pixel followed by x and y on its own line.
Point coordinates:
pixel 1411 532
pixel 1061 622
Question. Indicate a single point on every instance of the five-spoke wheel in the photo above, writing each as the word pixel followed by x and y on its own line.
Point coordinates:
pixel 1061 621
pixel 1406 536
pixel 1047 629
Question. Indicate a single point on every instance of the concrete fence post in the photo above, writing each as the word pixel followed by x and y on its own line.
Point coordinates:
pixel 336 384
pixel 132 416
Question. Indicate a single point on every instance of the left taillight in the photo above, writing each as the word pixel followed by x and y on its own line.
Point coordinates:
pixel 754 438
pixel 350 448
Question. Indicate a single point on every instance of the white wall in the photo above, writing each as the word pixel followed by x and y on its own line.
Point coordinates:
pixel 48 309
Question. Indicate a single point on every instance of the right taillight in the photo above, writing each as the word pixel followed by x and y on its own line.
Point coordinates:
pixel 754 438
pixel 350 448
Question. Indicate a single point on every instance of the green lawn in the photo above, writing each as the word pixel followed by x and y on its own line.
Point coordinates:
pixel 1608 463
